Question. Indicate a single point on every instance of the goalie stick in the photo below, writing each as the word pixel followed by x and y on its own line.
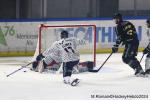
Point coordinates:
pixel 94 71
pixel 19 69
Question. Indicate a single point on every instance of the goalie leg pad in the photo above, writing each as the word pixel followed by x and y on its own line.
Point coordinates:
pixel 90 65
pixel 86 66
pixel 42 65
pixel 34 65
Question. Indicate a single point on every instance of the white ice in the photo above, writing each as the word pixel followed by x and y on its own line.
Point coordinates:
pixel 115 78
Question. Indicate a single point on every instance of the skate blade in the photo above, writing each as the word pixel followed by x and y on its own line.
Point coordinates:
pixel 142 75
pixel 75 82
pixel 147 75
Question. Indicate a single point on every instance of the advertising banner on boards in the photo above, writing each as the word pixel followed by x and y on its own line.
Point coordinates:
pixel 22 36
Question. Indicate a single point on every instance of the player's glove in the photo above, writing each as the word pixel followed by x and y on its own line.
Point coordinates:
pixel 146 50
pixel 39 57
pixel 115 48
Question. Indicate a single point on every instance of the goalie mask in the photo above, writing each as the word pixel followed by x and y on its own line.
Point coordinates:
pixel 64 34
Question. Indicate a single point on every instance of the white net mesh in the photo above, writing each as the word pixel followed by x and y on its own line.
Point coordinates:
pixel 85 33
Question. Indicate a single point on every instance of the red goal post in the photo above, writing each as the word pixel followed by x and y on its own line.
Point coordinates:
pixel 50 33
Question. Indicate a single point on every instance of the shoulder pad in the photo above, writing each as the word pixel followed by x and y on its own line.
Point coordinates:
pixel 127 23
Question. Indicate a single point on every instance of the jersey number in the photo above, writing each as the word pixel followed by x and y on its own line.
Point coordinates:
pixel 69 49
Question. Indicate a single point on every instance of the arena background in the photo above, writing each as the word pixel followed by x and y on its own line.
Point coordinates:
pixel 20 20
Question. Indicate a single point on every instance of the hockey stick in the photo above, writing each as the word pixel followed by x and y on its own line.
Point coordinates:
pixel 141 58
pixel 94 71
pixel 19 69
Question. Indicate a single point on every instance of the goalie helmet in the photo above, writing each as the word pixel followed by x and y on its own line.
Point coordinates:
pixel 64 34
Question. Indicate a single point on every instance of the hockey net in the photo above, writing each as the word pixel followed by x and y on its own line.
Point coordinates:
pixel 86 34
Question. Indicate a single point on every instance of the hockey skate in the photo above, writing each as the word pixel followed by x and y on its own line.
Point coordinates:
pixel 147 72
pixel 67 80
pixel 73 82
pixel 139 73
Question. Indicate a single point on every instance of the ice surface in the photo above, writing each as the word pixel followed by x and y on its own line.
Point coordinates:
pixel 115 78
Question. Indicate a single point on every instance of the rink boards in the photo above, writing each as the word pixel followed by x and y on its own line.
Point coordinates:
pixel 19 37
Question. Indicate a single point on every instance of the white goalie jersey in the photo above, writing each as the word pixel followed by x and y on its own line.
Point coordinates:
pixel 64 50
pixel 68 49
pixel 52 53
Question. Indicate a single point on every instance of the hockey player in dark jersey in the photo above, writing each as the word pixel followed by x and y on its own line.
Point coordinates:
pixel 126 35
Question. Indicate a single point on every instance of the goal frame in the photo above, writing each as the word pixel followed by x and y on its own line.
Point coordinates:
pixel 77 25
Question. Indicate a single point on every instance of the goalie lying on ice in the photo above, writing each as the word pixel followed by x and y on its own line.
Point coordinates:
pixel 62 51
pixel 46 63
pixel 50 60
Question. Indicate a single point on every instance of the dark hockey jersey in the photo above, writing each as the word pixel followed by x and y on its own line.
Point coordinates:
pixel 126 33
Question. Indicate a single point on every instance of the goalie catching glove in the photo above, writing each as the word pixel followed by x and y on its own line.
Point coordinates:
pixel 40 57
